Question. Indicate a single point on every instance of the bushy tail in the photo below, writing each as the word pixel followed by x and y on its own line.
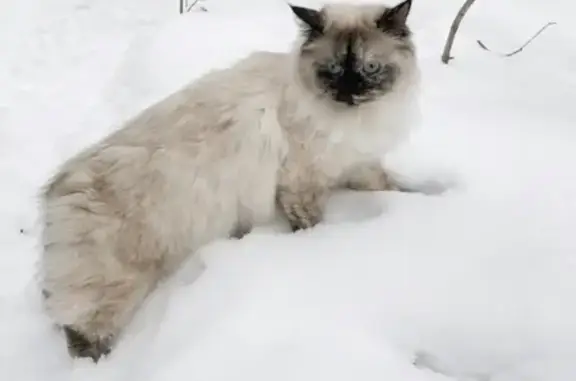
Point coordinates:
pixel 91 287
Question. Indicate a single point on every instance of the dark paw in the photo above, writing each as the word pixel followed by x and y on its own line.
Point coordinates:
pixel 240 231
pixel 301 217
pixel 80 346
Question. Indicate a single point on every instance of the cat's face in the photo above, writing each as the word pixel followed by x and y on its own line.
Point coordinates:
pixel 354 54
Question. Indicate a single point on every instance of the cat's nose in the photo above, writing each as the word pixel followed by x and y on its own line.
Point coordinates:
pixel 345 98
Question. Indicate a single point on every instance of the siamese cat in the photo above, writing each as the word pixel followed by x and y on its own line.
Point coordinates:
pixel 273 131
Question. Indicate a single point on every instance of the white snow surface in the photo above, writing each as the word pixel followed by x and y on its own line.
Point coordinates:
pixel 476 284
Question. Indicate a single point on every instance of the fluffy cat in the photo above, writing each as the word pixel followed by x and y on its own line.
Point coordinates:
pixel 217 157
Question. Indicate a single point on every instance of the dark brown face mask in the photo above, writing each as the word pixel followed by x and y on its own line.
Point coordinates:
pixel 350 58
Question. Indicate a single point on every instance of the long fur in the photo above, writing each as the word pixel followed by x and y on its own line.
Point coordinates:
pixel 207 162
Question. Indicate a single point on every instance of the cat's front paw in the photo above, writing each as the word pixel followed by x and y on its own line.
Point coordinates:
pixel 302 210
pixel 428 184
pixel 428 187
pixel 301 216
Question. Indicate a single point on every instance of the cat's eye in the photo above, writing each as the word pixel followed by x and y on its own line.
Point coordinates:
pixel 372 67
pixel 334 67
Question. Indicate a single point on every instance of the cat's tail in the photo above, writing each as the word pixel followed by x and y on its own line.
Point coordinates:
pixel 89 287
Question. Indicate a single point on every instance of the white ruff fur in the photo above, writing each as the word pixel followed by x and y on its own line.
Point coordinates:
pixel 343 138
pixel 197 166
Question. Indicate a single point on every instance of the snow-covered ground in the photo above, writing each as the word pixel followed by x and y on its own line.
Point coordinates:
pixel 477 284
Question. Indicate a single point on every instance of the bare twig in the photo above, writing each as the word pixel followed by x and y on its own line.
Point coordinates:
pixel 454 29
pixel 521 48
pixel 185 7
pixel 190 6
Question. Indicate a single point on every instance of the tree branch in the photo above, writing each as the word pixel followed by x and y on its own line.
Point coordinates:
pixel 191 5
pixel 185 7
pixel 521 48
pixel 454 29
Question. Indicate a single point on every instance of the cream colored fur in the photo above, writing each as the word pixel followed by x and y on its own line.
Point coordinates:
pixel 202 164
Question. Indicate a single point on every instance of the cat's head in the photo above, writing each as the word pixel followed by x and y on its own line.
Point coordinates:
pixel 354 54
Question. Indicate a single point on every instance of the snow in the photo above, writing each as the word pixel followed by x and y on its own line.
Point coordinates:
pixel 476 284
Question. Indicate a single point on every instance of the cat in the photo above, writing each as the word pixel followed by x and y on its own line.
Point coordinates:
pixel 274 131
pixel 353 97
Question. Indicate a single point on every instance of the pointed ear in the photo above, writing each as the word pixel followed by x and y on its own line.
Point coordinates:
pixel 394 19
pixel 311 18
pixel 401 11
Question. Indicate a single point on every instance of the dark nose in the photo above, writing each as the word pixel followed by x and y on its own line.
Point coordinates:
pixel 345 98
pixel 351 83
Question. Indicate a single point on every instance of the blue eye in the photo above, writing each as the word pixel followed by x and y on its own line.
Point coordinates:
pixel 334 68
pixel 372 67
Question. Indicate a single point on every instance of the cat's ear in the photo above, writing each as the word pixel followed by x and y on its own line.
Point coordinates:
pixel 311 19
pixel 393 20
